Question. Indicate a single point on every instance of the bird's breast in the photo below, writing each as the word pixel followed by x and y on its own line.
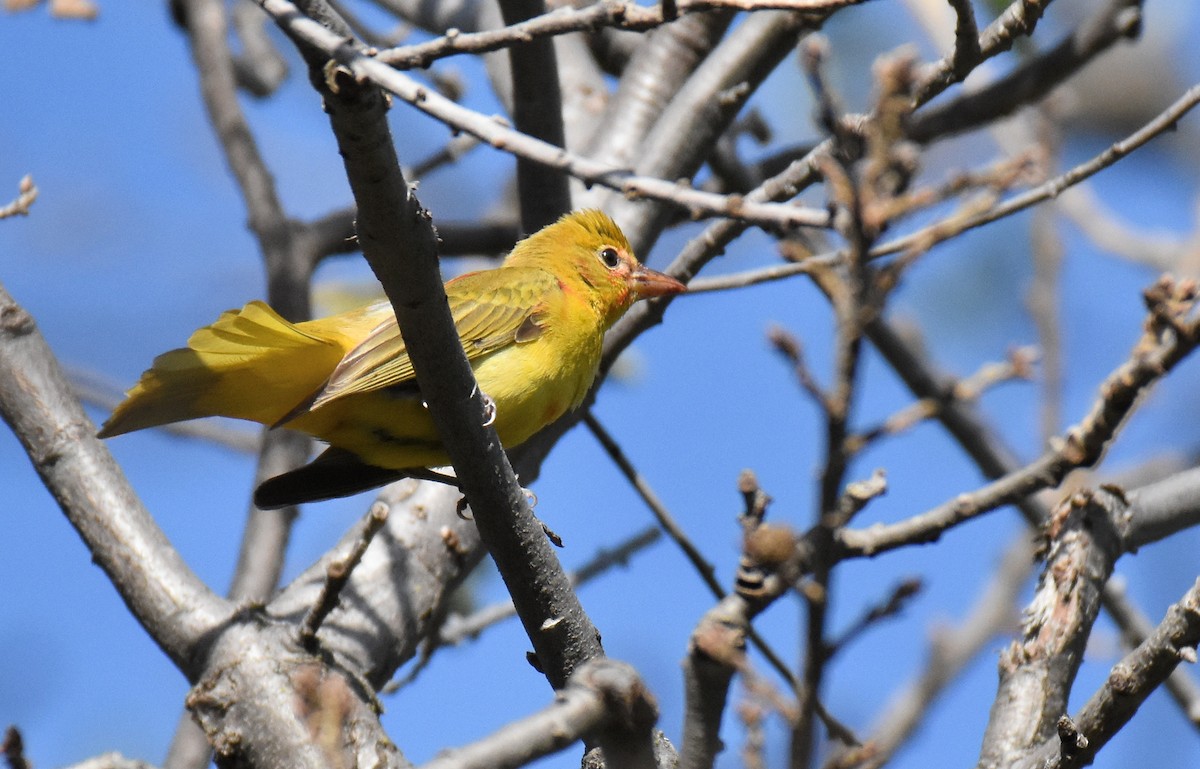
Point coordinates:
pixel 536 382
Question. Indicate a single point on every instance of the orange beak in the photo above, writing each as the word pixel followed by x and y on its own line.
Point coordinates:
pixel 648 283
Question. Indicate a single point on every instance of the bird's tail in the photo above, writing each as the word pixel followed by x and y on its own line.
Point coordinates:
pixel 251 364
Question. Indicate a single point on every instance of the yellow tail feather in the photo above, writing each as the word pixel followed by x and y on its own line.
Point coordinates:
pixel 250 364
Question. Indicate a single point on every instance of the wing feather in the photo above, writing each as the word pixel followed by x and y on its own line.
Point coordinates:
pixel 490 312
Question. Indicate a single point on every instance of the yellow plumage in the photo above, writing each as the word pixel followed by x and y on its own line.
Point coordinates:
pixel 532 330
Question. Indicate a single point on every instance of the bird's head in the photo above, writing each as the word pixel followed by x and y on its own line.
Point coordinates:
pixel 587 251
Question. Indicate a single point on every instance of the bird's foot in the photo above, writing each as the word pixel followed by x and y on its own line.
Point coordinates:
pixel 489 410
pixel 551 535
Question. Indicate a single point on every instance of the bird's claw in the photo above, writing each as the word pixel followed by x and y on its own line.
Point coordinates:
pixel 551 535
pixel 489 410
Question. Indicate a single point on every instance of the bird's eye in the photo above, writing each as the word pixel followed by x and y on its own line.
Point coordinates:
pixel 610 257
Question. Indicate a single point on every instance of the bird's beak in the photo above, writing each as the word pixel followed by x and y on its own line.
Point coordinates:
pixel 648 282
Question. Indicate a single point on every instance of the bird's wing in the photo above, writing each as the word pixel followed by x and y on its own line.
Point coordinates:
pixel 490 311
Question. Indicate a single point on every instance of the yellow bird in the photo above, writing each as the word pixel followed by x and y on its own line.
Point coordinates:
pixel 531 328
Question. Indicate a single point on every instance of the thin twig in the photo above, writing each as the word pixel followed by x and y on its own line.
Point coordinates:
pixel 892 606
pixel 1028 82
pixel 1018 366
pixel 1017 20
pixel 1135 629
pixel 936 233
pixel 337 575
pixel 788 345
pixel 27 192
pixel 852 188
pixel 1110 231
pixel 946 229
pixel 13 749
pixel 457 629
pixel 950 650
pixel 1170 335
pixel 615 14
pixel 667 521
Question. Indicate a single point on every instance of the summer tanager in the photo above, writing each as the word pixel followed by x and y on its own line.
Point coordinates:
pixel 531 328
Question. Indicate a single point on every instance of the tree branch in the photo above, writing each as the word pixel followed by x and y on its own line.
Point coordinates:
pixel 1130 682
pixel 171 603
pixel 1170 336
pixel 1032 79
pixel 399 243
pixel 537 112
pixel 696 202
pixel 603 699
pixel 1038 670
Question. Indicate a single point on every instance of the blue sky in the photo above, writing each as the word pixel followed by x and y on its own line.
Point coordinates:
pixel 139 237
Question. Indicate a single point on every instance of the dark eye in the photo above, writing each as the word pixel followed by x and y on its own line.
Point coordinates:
pixel 610 257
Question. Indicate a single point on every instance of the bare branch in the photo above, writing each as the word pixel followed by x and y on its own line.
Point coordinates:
pixel 715 651
pixel 538 112
pixel 603 698
pixel 457 629
pixel 1169 336
pixel 1164 508
pixel 1116 20
pixel 897 599
pixel 1130 682
pixel 788 345
pixel 936 233
pixel 616 14
pixel 1017 20
pixel 1043 300
pixel 1038 669
pixel 1018 366
pixel 337 575
pixel 1135 629
pixel 668 523
pixel 1109 230
pixel 688 129
pixel 967 53
pixel 398 242
pixel 264 702
pixel 260 67
pixel 950 651
pixel 487 129
pixel 656 70
pixel 172 604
